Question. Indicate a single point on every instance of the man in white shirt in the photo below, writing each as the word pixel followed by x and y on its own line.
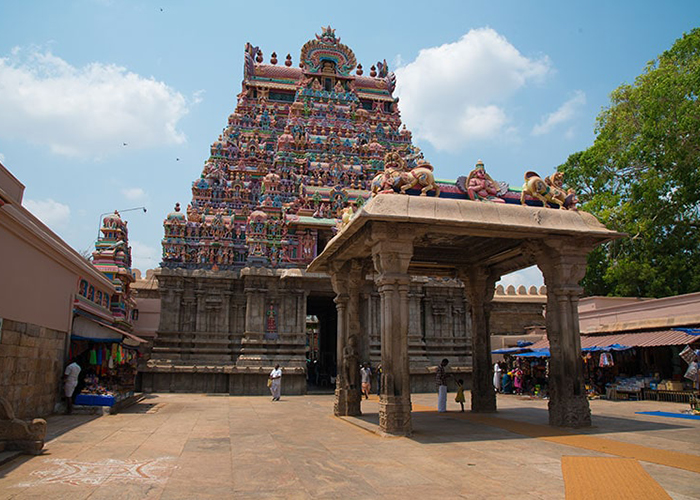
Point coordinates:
pixel 276 382
pixel 70 381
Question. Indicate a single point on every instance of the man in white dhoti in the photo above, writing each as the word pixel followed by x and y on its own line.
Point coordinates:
pixel 441 382
pixel 276 382
pixel 70 381
pixel 497 372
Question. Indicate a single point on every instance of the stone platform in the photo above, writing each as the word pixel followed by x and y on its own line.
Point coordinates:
pixel 197 446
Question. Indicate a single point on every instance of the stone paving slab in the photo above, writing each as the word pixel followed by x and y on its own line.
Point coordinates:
pixel 174 446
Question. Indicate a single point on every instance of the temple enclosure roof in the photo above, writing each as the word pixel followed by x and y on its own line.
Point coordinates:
pixel 450 233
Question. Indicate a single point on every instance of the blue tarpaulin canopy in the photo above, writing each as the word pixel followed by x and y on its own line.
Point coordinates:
pixel 511 350
pixel 536 353
pixel 544 353
pixel 689 331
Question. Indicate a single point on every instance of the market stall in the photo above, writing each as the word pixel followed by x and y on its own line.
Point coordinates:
pixel 107 357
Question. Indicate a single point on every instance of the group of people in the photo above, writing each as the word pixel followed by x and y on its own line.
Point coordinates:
pixel 274 381
pixel 520 377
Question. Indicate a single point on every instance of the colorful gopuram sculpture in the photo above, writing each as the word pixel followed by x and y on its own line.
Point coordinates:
pixel 302 145
pixel 112 256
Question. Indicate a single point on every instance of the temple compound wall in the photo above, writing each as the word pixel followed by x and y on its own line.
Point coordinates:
pixel 31 357
pixel 221 331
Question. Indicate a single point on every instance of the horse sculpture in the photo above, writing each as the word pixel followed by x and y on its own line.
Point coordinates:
pixel 548 190
pixel 392 179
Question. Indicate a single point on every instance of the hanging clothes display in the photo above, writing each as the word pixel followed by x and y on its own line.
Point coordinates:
pixel 606 360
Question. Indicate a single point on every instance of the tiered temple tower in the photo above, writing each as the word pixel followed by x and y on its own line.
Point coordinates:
pixel 303 145
pixel 112 256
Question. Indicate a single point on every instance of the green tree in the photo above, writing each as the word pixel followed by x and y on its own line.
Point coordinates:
pixel 641 176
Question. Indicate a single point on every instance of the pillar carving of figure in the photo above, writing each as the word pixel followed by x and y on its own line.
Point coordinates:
pixel 347 397
pixel 479 286
pixel 391 254
pixel 563 265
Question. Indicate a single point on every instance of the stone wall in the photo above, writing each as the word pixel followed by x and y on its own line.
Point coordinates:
pixel 216 325
pixel 31 362
pixel 513 317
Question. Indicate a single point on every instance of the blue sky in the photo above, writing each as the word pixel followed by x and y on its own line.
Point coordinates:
pixel 516 84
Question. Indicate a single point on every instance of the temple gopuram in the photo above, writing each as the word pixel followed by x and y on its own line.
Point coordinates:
pixel 305 148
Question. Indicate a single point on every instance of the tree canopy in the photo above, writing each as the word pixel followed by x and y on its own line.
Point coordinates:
pixel 641 176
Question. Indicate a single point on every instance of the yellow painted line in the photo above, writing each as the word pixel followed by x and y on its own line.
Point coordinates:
pixel 592 478
pixel 560 436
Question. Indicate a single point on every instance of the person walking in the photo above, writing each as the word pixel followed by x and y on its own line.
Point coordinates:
pixel 276 382
pixel 497 377
pixel 366 379
pixel 441 382
pixel 379 380
pixel 70 381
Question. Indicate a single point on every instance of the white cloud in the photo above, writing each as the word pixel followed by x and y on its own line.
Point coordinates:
pixel 85 112
pixel 565 113
pixel 457 92
pixel 49 211
pixel 527 277
pixel 144 257
pixel 2 158
pixel 134 194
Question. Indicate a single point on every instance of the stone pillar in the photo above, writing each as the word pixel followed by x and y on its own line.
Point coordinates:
pixel 201 317
pixel 347 389
pixel 563 265
pixel 479 283
pixel 171 303
pixel 252 346
pixel 416 344
pixel 391 254
pixel 225 317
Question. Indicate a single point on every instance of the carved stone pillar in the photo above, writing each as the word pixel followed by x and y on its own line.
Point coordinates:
pixel 479 286
pixel 252 346
pixel 347 391
pixel 170 315
pixel 201 318
pixel 391 254
pixel 416 344
pixel 225 318
pixel 563 265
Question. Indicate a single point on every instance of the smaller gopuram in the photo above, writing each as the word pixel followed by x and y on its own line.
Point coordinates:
pixel 112 257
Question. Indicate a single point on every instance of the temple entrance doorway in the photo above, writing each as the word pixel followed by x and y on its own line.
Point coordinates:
pixel 321 342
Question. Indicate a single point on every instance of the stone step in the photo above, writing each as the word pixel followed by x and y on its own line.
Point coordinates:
pixel 7 456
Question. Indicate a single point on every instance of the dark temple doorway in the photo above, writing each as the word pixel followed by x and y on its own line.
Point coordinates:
pixel 321 342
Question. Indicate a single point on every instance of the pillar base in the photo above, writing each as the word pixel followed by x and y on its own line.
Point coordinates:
pixel 570 412
pixel 395 415
pixel 484 402
pixel 347 402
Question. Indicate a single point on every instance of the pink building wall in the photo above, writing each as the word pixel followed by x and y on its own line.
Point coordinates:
pixel 612 314
pixel 39 277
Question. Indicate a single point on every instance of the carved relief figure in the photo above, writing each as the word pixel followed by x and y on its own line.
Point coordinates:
pixel 480 185
pixel 351 364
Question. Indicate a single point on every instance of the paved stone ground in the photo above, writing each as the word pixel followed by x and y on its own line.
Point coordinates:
pixel 175 446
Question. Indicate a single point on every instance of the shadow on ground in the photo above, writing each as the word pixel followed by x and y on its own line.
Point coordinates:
pixel 512 423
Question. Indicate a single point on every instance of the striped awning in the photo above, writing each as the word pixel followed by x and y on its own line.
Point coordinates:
pixel 637 339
